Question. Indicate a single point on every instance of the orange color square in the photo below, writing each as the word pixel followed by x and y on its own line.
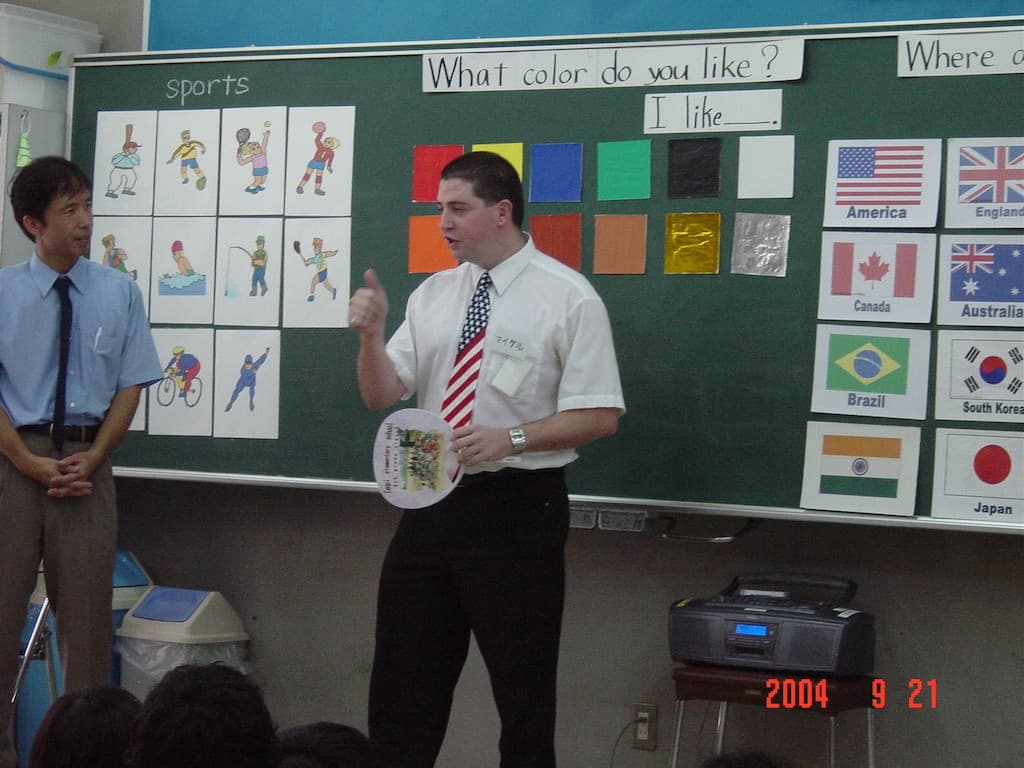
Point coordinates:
pixel 428 251
pixel 620 244
pixel 559 236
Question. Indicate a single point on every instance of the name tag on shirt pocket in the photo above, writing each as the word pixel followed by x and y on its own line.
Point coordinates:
pixel 515 361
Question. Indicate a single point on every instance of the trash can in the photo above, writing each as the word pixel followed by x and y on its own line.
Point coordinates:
pixel 169 627
pixel 129 584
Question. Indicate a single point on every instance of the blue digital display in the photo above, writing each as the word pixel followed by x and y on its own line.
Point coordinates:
pixel 755 630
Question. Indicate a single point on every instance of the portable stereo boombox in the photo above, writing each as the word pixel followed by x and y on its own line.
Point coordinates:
pixel 778 622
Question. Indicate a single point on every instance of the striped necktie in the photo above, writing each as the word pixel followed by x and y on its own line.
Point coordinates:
pixel 457 406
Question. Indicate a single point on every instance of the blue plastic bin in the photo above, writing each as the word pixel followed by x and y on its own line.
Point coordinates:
pixel 130 583
pixel 168 627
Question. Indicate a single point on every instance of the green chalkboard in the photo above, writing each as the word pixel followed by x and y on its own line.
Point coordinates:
pixel 717 369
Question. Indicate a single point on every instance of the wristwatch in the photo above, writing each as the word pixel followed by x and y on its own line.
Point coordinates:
pixel 518 438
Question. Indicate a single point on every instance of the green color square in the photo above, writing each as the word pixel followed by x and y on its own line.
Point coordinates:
pixel 624 170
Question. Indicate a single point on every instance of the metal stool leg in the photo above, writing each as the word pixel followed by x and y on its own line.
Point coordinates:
pixel 720 732
pixel 871 737
pixel 831 741
pixel 679 734
pixel 37 648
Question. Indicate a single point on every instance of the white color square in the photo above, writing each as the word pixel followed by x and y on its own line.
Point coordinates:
pixel 766 166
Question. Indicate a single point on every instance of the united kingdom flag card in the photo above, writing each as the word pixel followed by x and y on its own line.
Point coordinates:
pixel 985 183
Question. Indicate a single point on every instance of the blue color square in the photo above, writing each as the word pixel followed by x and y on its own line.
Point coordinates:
pixel 556 173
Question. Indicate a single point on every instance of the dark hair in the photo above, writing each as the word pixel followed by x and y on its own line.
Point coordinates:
pixel 203 716
pixel 323 745
pixel 744 760
pixel 89 728
pixel 40 182
pixel 493 178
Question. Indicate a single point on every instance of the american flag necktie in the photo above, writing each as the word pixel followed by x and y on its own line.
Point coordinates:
pixel 457 406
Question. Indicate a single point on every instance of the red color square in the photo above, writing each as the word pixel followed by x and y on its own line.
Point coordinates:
pixel 427 163
pixel 559 236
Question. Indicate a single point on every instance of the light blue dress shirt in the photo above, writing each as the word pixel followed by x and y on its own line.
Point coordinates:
pixel 111 344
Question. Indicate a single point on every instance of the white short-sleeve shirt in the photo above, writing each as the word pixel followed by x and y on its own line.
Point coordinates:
pixel 548 347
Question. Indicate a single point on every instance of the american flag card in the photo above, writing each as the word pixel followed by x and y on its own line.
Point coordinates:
pixel 881 183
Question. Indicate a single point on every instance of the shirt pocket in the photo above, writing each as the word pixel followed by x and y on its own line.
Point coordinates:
pixel 101 348
pixel 514 365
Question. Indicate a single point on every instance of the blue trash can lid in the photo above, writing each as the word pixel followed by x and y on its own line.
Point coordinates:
pixel 169 604
pixel 128 572
pixel 186 616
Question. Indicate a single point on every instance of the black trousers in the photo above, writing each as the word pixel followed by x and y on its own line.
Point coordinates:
pixel 488 559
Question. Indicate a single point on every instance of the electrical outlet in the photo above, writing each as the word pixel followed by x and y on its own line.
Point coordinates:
pixel 621 520
pixel 645 726
pixel 582 518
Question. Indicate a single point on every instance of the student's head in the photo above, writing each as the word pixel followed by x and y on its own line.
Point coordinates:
pixel 40 183
pixel 203 716
pixel 323 745
pixel 86 729
pixel 492 177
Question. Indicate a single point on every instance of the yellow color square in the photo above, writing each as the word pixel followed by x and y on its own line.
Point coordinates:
pixel 511 151
pixel 692 243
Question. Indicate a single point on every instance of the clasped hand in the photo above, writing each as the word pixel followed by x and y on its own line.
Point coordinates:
pixel 65 478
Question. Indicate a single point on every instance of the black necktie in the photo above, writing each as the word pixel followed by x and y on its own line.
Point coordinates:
pixel 62 284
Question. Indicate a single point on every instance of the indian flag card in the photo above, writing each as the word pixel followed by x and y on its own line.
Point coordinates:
pixel 861 468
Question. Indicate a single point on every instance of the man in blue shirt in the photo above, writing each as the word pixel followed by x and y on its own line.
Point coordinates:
pixel 57 490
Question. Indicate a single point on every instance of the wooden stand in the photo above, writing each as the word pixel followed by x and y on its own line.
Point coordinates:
pixel 741 686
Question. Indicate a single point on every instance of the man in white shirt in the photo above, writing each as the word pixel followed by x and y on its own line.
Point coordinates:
pixel 489 558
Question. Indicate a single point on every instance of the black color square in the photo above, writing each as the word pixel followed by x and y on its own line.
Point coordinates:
pixel 694 167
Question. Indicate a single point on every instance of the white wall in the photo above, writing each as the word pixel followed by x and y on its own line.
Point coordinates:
pixel 120 21
pixel 301 568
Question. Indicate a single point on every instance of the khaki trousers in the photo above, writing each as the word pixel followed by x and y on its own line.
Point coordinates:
pixel 75 539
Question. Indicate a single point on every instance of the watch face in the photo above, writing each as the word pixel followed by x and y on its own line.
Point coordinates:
pixel 518 437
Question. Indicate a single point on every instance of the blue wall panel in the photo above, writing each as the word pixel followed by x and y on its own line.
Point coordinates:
pixel 188 24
